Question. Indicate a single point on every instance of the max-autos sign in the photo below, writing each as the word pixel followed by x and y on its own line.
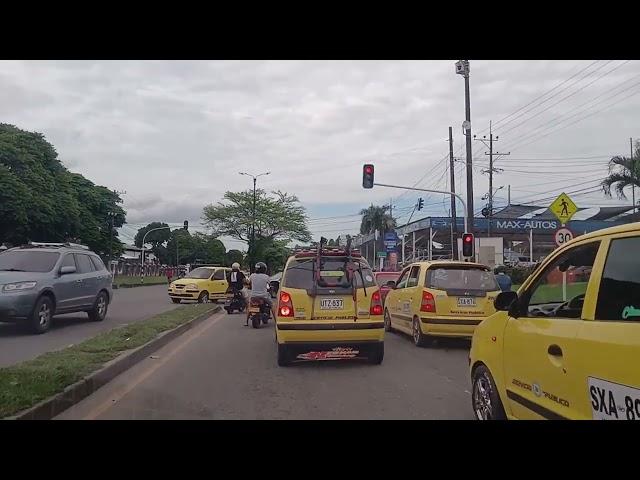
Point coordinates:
pixel 526 224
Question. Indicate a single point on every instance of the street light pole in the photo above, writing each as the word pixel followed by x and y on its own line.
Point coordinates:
pixel 253 218
pixel 463 68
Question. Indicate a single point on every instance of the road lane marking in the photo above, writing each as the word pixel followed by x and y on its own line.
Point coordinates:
pixel 184 340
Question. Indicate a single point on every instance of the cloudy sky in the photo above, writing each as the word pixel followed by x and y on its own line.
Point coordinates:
pixel 175 134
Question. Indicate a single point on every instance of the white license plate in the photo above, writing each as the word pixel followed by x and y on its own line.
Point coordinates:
pixel 331 304
pixel 613 401
pixel 466 302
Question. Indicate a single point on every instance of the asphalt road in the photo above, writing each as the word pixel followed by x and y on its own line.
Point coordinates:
pixel 223 370
pixel 128 305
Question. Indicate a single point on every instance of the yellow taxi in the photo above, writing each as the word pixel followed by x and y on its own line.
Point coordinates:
pixel 440 298
pixel 202 284
pixel 329 308
pixel 567 344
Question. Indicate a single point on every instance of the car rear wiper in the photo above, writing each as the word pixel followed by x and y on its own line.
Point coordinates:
pixel 11 270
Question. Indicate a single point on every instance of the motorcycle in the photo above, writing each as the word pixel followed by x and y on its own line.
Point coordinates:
pixel 235 301
pixel 259 311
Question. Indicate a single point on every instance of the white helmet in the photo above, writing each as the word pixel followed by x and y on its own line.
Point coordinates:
pixel 235 266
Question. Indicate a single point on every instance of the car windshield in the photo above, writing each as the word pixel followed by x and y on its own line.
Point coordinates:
pixel 200 273
pixel 467 278
pixel 28 261
pixel 299 274
pixel 384 278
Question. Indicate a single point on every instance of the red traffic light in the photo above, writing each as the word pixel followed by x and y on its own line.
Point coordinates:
pixel 468 245
pixel 468 238
pixel 367 175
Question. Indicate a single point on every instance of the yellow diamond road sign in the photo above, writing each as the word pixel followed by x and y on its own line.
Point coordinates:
pixel 563 208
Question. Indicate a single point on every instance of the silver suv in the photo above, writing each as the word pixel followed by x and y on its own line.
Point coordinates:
pixel 38 281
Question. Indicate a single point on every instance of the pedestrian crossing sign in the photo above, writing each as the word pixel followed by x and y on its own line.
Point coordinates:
pixel 563 208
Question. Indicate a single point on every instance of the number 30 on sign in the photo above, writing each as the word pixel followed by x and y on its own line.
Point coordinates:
pixel 563 236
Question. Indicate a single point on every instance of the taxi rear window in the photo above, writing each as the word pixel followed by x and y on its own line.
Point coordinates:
pixel 299 274
pixel 461 277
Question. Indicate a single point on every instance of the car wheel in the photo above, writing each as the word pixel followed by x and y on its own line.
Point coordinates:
pixel 99 311
pixel 377 354
pixel 419 338
pixel 176 300
pixel 42 315
pixel 387 322
pixel 484 397
pixel 284 358
pixel 203 297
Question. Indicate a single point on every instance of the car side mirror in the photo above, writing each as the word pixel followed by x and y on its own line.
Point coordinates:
pixel 505 300
pixel 67 270
pixel 391 284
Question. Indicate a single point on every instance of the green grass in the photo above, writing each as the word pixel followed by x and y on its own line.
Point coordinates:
pixel 136 280
pixel 27 383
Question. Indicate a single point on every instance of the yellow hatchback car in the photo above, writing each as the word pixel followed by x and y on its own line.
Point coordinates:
pixel 202 284
pixel 440 299
pixel 567 344
pixel 329 308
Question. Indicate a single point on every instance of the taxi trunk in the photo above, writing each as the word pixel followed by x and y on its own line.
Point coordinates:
pixel 462 296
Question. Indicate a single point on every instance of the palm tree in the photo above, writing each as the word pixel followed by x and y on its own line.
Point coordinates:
pixel 623 172
pixel 376 218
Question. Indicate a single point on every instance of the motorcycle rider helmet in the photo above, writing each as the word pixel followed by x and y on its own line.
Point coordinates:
pixel 261 267
pixel 235 266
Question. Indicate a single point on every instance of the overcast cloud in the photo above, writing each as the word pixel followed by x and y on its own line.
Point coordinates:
pixel 175 134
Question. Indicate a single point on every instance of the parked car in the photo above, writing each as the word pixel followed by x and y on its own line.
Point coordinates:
pixel 38 281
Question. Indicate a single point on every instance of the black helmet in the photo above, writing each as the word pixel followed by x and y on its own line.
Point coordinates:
pixel 261 267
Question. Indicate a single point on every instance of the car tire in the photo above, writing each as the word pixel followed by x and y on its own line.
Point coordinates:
pixel 203 297
pixel 377 354
pixel 176 300
pixel 419 338
pixel 485 400
pixel 99 311
pixel 284 357
pixel 387 322
pixel 42 315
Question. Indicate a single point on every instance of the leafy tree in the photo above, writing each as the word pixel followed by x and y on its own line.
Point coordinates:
pixel 181 243
pixel 623 173
pixel 278 216
pixel 156 239
pixel 272 252
pixel 40 200
pixel 208 249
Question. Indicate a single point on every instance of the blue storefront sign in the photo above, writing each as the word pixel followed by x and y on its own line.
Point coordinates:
pixel 390 241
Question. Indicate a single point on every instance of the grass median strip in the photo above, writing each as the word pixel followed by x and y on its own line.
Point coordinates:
pixel 25 384
pixel 159 280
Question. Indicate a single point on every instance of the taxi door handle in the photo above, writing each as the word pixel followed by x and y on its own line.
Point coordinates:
pixel 554 350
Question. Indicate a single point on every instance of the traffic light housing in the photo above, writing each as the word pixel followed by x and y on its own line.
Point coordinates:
pixel 420 203
pixel 367 175
pixel 186 225
pixel 468 244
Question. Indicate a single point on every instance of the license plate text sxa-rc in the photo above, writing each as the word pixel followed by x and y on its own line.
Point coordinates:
pixel 466 302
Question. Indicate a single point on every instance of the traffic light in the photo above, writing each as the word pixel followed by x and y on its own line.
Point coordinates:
pixel 468 244
pixel 420 203
pixel 367 176
pixel 186 225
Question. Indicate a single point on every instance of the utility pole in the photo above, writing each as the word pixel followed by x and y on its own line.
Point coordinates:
pixel 253 219
pixel 454 221
pixel 633 176
pixel 509 196
pixel 463 68
pixel 112 214
pixel 491 170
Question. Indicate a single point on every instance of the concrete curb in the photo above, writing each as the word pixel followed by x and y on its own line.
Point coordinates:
pixel 135 285
pixel 53 406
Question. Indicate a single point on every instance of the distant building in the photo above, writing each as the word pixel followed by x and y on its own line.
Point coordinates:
pixel 131 252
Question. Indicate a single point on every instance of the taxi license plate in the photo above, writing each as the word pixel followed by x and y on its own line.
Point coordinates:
pixel 254 309
pixel 613 401
pixel 466 302
pixel 331 304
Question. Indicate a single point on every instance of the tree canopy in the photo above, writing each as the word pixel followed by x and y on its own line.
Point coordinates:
pixel 376 218
pixel 40 200
pixel 623 173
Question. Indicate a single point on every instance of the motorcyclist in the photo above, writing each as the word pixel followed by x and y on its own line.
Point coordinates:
pixel 259 285
pixel 237 280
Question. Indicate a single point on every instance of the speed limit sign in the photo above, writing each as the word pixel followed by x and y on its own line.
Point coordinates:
pixel 563 236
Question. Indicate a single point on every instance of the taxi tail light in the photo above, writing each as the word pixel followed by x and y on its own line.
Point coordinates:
pixel 428 303
pixel 376 303
pixel 285 305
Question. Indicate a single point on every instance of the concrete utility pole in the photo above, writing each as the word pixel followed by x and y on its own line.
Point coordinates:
pixel 463 68
pixel 633 176
pixel 454 226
